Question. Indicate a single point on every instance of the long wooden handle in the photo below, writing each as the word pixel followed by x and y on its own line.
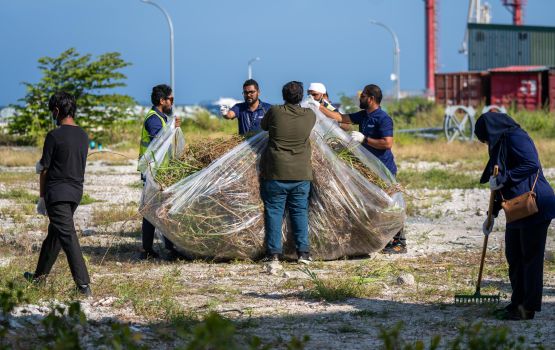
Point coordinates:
pixel 489 223
pixel 492 198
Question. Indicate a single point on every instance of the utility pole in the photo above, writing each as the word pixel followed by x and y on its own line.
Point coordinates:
pixel 168 18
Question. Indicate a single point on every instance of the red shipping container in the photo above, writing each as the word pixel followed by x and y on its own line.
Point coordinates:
pixel 518 86
pixel 461 88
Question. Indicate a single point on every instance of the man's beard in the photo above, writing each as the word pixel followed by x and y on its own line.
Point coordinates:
pixel 167 110
pixel 251 101
pixel 363 104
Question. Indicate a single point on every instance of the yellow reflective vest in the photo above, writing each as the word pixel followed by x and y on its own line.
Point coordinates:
pixel 145 136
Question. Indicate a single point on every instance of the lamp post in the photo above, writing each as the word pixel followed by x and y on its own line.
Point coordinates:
pixel 172 81
pixel 396 76
pixel 251 61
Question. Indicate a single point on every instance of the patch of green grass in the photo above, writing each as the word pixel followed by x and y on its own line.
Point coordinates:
pixel 87 199
pixel 438 179
pixel 152 298
pixel 348 328
pixel 18 213
pixel 115 213
pixel 58 286
pixel 338 289
pixel 12 177
pixel 136 184
pixel 20 195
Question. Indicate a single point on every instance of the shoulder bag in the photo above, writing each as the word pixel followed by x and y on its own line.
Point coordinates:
pixel 521 206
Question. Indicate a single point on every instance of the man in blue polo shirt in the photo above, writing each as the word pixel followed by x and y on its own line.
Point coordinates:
pixel 376 135
pixel 248 113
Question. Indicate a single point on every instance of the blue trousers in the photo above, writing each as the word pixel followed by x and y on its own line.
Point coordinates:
pixel 277 195
pixel 524 249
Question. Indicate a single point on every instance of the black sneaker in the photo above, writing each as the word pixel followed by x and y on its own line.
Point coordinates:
pixel 304 258
pixel 84 289
pixel 30 277
pixel 173 255
pixel 498 313
pixel 395 247
pixel 270 258
pixel 149 255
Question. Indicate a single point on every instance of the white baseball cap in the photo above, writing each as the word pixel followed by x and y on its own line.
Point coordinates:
pixel 318 87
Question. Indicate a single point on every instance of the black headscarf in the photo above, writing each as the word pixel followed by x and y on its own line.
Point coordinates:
pixel 492 127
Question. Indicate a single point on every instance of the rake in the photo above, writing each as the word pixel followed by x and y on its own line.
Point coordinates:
pixel 477 297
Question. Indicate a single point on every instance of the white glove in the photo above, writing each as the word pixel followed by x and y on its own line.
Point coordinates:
pixel 41 207
pixel 494 185
pixel 38 167
pixel 357 136
pixel 487 230
pixel 224 110
pixel 312 103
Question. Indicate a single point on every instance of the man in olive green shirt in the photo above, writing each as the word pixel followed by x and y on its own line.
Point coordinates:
pixel 287 172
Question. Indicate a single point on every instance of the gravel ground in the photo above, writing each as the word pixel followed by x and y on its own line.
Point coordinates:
pixel 446 223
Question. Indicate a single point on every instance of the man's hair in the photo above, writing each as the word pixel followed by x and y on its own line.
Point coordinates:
pixel 64 102
pixel 292 92
pixel 374 91
pixel 250 82
pixel 158 92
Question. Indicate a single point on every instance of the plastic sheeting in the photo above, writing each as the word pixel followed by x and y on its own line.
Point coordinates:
pixel 217 213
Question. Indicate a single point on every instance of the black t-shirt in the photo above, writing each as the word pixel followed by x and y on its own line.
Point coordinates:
pixel 65 156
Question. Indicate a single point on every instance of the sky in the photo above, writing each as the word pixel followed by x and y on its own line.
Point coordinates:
pixel 327 41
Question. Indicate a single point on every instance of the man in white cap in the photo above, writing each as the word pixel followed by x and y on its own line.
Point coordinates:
pixel 319 93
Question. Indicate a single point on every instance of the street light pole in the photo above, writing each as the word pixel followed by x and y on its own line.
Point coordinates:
pixel 251 61
pixel 172 81
pixel 396 59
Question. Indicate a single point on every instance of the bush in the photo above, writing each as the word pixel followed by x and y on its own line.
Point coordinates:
pixel 539 123
pixel 203 121
pixel 470 337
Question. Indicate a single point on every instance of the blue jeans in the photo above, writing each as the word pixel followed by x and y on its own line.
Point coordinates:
pixel 276 196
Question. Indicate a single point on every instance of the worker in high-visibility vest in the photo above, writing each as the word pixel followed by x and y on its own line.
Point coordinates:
pixel 156 119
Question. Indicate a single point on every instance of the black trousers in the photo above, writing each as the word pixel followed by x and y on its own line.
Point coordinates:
pixel 524 249
pixel 148 237
pixel 148 232
pixel 62 235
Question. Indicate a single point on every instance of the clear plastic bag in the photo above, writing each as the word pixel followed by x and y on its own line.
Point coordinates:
pixel 217 213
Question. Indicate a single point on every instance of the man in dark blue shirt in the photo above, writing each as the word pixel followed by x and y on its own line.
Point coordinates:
pixel 248 113
pixel 376 135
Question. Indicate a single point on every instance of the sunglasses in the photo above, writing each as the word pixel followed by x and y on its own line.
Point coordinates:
pixel 170 98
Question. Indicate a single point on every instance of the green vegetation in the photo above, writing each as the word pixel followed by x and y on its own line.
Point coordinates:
pixel 475 336
pixel 218 333
pixel 16 178
pixel 438 179
pixel 87 199
pixel 338 288
pixel 20 195
pixel 90 81
pixel 114 213
pixel 415 112
pixel 539 124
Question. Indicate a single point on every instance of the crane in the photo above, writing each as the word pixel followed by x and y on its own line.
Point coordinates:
pixel 481 13
pixel 477 13
pixel 515 7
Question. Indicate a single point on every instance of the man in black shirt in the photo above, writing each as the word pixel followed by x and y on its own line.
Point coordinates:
pixel 62 173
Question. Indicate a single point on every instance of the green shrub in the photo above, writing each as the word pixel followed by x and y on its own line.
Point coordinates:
pixel 470 337
pixel 202 120
pixel 539 123
pixel 438 179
